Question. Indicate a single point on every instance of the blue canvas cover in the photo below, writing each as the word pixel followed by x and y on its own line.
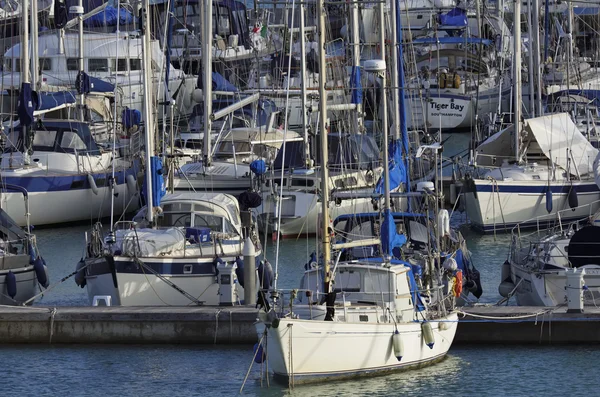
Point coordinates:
pixel 131 117
pixel 158 181
pixel 27 104
pixel 51 100
pixel 355 83
pixel 390 238
pixel 454 17
pixel 109 17
pixel 397 169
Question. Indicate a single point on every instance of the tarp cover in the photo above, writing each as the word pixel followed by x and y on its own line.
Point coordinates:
pixel 152 242
pixel 555 134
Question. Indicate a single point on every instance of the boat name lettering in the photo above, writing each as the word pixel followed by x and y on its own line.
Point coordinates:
pixel 447 106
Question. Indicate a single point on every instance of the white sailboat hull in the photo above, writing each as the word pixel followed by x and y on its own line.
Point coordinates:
pixel 548 288
pixel 65 206
pixel 500 205
pixel 27 285
pixel 300 213
pixel 308 350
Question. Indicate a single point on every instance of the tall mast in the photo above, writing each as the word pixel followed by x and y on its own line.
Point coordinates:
pixel 303 86
pixel 81 69
pixel 148 119
pixel 324 159
pixel 207 78
pixel 384 118
pixel 394 69
pixel 25 44
pixel 517 80
pixel 356 56
pixel 34 45
pixel 537 70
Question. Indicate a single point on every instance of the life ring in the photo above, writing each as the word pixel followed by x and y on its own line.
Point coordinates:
pixel 458 284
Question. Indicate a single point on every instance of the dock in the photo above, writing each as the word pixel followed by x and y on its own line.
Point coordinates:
pixel 481 325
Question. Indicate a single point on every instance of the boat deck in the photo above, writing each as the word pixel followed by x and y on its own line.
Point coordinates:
pixel 481 325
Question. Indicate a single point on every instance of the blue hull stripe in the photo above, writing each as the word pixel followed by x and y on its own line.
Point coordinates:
pixel 540 189
pixel 61 183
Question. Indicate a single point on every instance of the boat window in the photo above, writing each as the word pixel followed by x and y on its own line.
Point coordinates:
pixel 70 140
pixel 9 5
pixel 202 208
pixel 135 64
pixel 120 65
pixel 377 281
pixel 213 222
pixel 186 207
pixel 175 219
pixel 8 65
pixel 348 281
pixel 228 146
pixel 221 21
pixel 44 139
pixel 361 231
pixel 72 63
pixel 45 64
pixel 97 65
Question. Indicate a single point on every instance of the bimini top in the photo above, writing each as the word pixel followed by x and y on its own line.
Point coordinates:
pixel 273 137
pixel 225 201
pixel 61 136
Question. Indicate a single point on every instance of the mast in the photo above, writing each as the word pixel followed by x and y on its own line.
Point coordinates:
pixel 355 17
pixel 384 121
pixel 25 44
pixel 324 154
pixel 399 69
pixel 81 69
pixel 394 43
pixel 530 68
pixel 303 86
pixel 537 70
pixel 34 45
pixel 207 79
pixel 148 119
pixel 517 80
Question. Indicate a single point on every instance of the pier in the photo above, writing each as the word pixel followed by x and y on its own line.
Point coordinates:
pixel 482 325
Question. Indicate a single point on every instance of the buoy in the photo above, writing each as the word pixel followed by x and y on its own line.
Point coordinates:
pixel 40 272
pixel 131 184
pixel 444 222
pixel 92 183
pixel 80 275
pixel 259 354
pixel 398 346
pixel 573 200
pixel 428 334
pixel 11 284
pixel 549 200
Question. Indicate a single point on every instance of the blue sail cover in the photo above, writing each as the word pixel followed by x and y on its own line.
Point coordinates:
pixel 27 104
pixel 86 84
pixel 390 238
pixel 454 17
pixel 219 83
pixel 109 17
pixel 131 117
pixel 51 100
pixel 356 85
pixel 159 188
pixel 397 169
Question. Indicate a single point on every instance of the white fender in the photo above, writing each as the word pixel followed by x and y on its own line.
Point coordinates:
pixel 93 185
pixel 444 222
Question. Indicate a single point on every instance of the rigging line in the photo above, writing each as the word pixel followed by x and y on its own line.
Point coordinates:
pixel 114 133
pixel 286 120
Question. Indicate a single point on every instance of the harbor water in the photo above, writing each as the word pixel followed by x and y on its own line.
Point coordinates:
pixel 220 370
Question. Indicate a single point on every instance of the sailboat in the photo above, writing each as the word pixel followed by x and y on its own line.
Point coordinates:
pixel 363 316
pixel 550 169
pixel 180 249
